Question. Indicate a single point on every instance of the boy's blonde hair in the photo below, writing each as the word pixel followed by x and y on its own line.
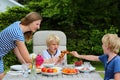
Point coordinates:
pixel 52 37
pixel 112 41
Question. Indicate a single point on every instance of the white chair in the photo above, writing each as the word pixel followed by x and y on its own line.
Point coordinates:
pixel 39 41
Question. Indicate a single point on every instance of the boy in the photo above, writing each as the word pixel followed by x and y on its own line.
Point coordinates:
pixel 51 55
pixel 110 58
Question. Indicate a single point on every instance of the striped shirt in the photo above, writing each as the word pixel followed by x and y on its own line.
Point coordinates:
pixel 8 37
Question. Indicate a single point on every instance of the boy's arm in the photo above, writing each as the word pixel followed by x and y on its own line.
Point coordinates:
pixel 87 57
pixel 117 76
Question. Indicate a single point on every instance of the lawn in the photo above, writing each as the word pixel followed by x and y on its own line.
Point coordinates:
pixel 99 67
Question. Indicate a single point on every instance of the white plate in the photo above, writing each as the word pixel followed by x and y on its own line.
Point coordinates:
pixel 49 65
pixel 89 70
pixel 58 68
pixel 16 67
pixel 69 73
pixel 51 74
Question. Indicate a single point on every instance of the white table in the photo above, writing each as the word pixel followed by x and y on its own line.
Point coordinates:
pixel 79 76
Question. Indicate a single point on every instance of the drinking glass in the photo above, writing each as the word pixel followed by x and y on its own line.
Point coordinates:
pixel 87 65
pixel 33 75
pixel 25 67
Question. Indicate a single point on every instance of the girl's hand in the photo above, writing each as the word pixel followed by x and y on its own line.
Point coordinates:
pixel 74 53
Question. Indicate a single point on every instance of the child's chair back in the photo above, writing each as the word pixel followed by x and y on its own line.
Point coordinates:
pixel 39 40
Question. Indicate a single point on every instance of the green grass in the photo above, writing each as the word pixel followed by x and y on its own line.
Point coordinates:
pixel 102 75
pixel 99 67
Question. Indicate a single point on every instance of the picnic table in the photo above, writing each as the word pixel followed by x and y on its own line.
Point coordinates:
pixel 80 76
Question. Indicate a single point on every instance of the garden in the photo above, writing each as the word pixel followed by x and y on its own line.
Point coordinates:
pixel 83 21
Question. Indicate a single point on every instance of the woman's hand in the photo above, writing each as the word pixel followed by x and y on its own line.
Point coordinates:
pixel 74 53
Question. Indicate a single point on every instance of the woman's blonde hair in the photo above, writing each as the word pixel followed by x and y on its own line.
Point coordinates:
pixel 29 18
pixel 52 37
pixel 112 41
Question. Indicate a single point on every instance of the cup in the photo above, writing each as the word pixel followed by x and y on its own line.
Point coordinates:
pixel 87 65
pixel 25 68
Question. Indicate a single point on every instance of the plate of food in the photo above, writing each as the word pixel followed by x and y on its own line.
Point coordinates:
pixel 48 64
pixel 38 70
pixel 70 71
pixel 50 71
pixel 83 69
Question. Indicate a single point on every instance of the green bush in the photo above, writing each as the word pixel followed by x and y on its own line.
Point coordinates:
pixel 88 42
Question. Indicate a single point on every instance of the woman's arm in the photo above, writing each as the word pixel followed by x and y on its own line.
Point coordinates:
pixel 23 51
pixel 16 51
pixel 87 57
pixel 117 76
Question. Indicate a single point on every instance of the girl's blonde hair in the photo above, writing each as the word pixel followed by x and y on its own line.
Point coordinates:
pixel 112 41
pixel 52 37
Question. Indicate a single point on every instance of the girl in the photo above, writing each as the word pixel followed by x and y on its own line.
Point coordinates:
pixel 12 38
pixel 110 58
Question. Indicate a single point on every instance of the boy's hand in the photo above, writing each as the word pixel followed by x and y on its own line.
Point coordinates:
pixel 59 61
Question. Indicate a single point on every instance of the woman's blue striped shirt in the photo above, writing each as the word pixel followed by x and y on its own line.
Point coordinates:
pixel 8 37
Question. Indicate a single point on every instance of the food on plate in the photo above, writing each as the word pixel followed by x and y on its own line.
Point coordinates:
pixel 55 70
pixel 44 69
pixel 38 70
pixel 30 66
pixel 69 71
pixel 49 70
pixel 63 53
pixel 78 63
pixel 85 69
pixel 48 64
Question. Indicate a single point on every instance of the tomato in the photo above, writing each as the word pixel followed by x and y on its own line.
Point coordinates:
pixel 37 66
pixel 44 69
pixel 50 70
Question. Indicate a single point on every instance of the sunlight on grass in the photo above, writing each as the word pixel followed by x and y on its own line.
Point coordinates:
pixel 98 65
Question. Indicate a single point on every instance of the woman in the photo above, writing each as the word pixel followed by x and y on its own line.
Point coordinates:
pixel 12 38
pixel 110 58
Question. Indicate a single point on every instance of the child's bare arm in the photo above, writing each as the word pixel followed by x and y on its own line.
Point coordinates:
pixel 117 76
pixel 87 57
